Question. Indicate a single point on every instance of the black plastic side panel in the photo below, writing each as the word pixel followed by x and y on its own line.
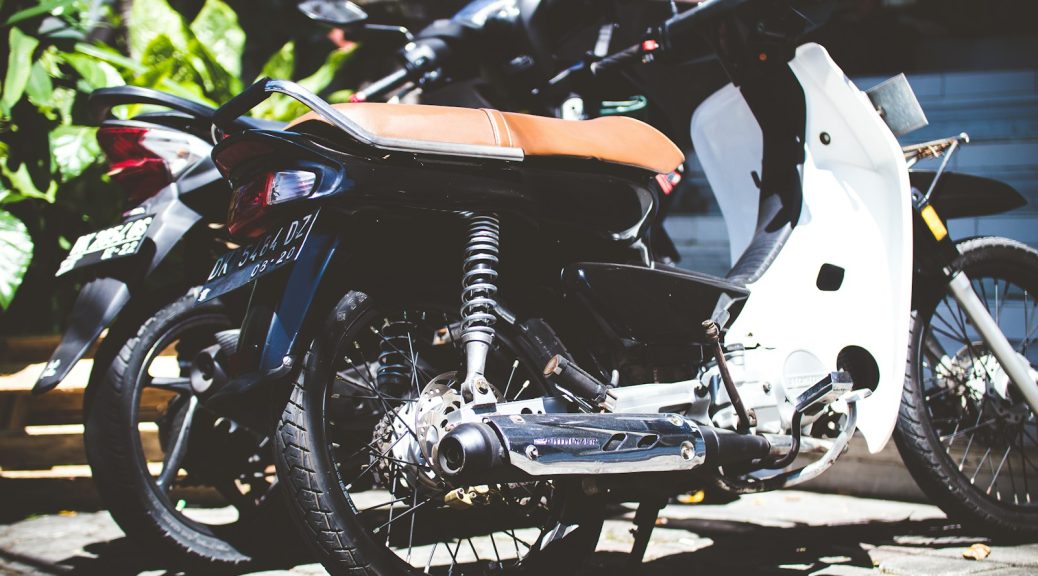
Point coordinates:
pixel 963 195
pixel 97 305
pixel 649 305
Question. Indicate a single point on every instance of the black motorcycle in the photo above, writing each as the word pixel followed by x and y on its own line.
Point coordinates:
pixel 153 373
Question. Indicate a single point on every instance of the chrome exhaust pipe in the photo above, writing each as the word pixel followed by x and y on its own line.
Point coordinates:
pixel 522 446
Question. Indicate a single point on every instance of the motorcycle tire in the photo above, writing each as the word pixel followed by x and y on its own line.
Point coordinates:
pixel 965 445
pixel 310 445
pixel 115 448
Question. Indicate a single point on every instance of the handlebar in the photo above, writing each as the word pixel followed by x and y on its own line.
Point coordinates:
pixel 421 57
pixel 379 88
pixel 658 39
pixel 687 21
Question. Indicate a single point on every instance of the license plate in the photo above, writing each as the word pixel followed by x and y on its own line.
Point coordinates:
pixel 279 248
pixel 119 241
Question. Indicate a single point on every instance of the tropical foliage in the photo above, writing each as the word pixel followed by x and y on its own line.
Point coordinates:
pixel 55 58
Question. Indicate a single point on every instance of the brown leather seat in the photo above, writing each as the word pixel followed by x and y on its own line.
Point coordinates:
pixel 614 139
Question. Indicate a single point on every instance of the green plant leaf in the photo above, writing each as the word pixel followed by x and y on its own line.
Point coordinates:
pixel 324 75
pixel 283 108
pixel 15 255
pixel 110 55
pixel 24 186
pixel 40 89
pixel 19 65
pixel 281 64
pixel 216 27
pixel 63 100
pixel 94 73
pixel 150 18
pixel 74 149
pixel 44 7
pixel 339 96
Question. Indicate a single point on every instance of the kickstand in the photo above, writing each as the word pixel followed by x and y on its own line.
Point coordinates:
pixel 644 522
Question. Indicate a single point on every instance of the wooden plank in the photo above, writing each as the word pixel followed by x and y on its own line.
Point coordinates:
pixel 28 348
pixel 13 411
pixel 64 404
pixel 45 451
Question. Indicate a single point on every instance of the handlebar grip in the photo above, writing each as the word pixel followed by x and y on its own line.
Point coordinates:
pixel 618 60
pixel 249 98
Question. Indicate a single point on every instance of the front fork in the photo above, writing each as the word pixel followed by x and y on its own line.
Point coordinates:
pixel 935 250
pixel 1019 372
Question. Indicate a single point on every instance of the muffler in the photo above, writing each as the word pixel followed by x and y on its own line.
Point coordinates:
pixel 519 446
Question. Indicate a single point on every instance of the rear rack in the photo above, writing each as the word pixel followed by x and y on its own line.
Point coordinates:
pixel 262 89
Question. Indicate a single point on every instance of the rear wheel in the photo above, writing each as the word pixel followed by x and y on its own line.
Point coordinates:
pixel 349 453
pixel 964 432
pixel 176 476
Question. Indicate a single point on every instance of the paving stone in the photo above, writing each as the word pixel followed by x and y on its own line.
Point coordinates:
pixel 790 532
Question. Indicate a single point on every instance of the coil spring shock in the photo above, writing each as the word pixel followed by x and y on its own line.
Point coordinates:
pixel 478 291
pixel 394 367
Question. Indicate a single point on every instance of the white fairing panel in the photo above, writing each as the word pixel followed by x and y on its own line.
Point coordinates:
pixel 729 146
pixel 856 215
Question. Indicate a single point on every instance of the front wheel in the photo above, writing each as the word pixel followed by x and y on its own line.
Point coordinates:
pixel 964 432
pixel 352 451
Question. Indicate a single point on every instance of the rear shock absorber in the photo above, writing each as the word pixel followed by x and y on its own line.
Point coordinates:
pixel 394 367
pixel 478 291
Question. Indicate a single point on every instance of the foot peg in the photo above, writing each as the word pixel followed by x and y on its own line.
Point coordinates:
pixel 825 392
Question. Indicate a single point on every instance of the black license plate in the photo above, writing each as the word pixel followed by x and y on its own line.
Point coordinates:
pixel 119 241
pixel 277 249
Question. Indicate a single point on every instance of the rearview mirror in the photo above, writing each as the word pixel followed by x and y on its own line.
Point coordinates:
pixel 337 13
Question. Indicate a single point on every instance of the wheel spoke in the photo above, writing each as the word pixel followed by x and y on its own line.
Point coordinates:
pixel 396 341
pixel 407 512
pixel 383 504
pixel 175 455
pixel 998 471
pixel 954 372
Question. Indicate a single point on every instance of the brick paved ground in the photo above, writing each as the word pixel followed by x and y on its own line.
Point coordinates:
pixel 796 533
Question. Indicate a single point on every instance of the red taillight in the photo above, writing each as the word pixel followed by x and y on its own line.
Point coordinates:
pixel 144 160
pixel 251 199
pixel 248 206
pixel 137 169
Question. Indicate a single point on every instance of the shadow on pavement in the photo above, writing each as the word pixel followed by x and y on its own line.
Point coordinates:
pixel 750 549
pixel 121 557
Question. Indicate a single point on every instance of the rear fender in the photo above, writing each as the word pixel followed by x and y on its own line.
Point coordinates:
pixel 97 305
pixel 102 299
